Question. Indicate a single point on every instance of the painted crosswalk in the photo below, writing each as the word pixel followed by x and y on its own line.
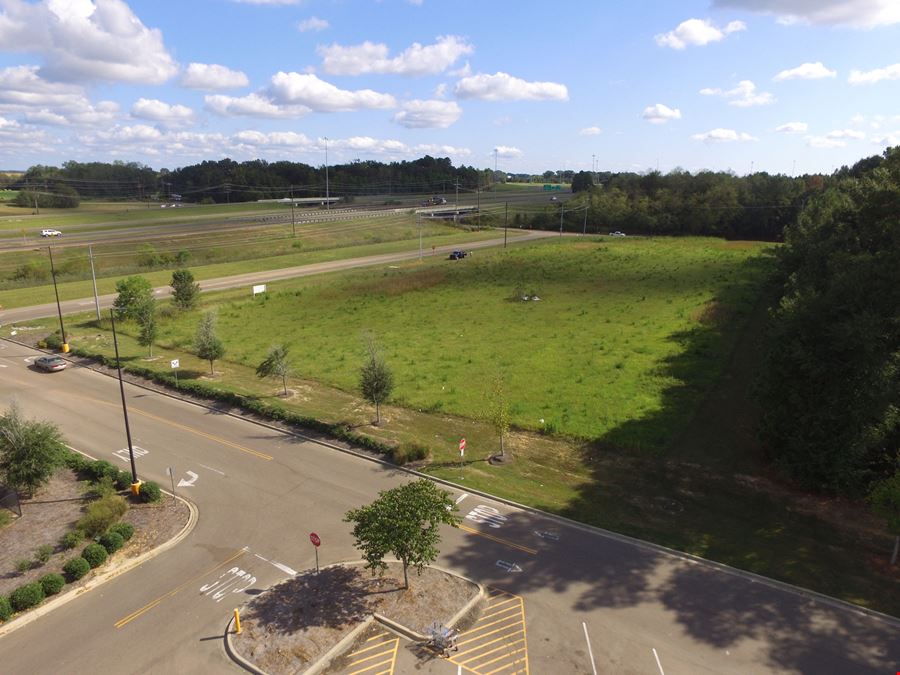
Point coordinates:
pixel 496 644
pixel 376 656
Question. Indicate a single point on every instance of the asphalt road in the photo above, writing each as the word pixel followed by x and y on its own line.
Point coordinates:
pixel 260 492
pixel 10 316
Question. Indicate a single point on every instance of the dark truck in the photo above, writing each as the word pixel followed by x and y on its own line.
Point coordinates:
pixel 457 255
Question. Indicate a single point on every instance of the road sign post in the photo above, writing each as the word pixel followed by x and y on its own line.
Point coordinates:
pixel 316 542
pixel 175 363
pixel 171 472
pixel 462 454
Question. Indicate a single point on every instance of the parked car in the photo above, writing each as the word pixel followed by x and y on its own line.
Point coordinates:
pixel 457 255
pixel 50 363
pixel 617 233
pixel 51 233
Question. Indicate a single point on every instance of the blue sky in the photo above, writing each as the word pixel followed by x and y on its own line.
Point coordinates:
pixel 789 86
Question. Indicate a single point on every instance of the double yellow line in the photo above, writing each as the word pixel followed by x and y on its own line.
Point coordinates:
pixel 499 540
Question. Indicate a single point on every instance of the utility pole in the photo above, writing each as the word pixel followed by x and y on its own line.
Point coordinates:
pixel 456 215
pixel 505 222
pixel 94 279
pixel 584 227
pixel 62 328
pixel 327 192
pixel 293 226
pixel 562 210
pixel 135 483
pixel 419 223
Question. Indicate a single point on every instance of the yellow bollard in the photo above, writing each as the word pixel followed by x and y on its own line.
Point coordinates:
pixel 136 488
pixel 65 348
pixel 237 621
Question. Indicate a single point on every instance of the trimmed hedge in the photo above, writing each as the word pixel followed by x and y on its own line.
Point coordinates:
pixel 77 568
pixel 6 609
pixel 26 597
pixel 124 530
pixel 52 583
pixel 150 492
pixel 111 541
pixel 95 555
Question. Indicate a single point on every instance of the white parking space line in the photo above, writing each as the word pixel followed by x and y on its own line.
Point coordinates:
pixel 591 651
pixel 658 664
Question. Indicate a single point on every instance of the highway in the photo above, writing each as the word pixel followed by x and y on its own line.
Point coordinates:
pixel 590 601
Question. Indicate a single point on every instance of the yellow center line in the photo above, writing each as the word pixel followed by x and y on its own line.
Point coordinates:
pixel 192 430
pixel 153 603
pixel 499 540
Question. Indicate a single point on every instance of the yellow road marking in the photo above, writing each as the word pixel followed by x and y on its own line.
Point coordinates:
pixel 365 649
pixel 184 427
pixel 505 609
pixel 153 603
pixel 511 636
pixel 484 635
pixel 491 651
pixel 502 656
pixel 503 667
pixel 499 540
pixel 392 646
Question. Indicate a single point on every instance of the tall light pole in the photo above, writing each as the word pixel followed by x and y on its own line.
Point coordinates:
pixel 327 193
pixel 135 483
pixel 62 328
pixel 94 280
pixel 293 226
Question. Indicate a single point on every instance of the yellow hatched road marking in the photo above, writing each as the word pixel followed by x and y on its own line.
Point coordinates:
pixel 365 649
pixel 511 637
pixel 491 651
pixel 503 667
pixel 478 627
pixel 484 635
pixel 153 603
pixel 499 540
pixel 502 656
pixel 372 665
pixel 511 608
pixel 392 646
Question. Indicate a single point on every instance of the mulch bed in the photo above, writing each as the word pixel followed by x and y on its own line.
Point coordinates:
pixel 290 626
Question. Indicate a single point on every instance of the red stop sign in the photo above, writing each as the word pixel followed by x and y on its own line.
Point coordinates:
pixel 314 538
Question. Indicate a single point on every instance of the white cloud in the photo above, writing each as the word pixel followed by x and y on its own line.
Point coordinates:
pixel 508 152
pixel 158 111
pixel 697 32
pixel 872 76
pixel 806 71
pixel 252 105
pixel 660 114
pixel 824 142
pixel 371 145
pixel 504 87
pixel 743 95
pixel 590 131
pixel 854 13
pixel 428 114
pixel 275 139
pixel 308 90
pixel 441 150
pixel 846 133
pixel 22 90
pixel 440 91
pixel 212 77
pixel 792 128
pixel 888 139
pixel 267 2
pixel 313 23
pixel 370 57
pixel 465 71
pixel 84 40
pixel 722 136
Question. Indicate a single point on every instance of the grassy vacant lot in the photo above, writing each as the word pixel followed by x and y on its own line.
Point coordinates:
pixel 639 357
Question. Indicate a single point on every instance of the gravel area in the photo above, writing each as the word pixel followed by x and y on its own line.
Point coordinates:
pixel 290 626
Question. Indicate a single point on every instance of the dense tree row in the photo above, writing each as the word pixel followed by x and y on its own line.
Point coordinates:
pixel 831 392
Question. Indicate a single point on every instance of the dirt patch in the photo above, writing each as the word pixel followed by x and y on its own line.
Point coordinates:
pixel 53 511
pixel 292 625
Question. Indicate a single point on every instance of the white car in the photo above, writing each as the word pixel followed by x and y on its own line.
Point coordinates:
pixel 51 233
pixel 617 233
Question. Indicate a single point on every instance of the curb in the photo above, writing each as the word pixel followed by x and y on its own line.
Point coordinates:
pixel 562 520
pixel 110 574
pixel 234 654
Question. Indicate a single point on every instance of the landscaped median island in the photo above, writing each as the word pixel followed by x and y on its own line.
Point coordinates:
pixel 291 626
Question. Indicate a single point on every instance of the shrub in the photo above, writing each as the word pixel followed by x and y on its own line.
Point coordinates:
pixel 76 462
pixel 124 530
pixel 102 488
pixel 5 608
pixel 52 583
pixel 123 480
pixel 99 515
pixel 42 555
pixel 111 541
pixel 409 452
pixel 71 539
pixel 95 555
pixel 101 468
pixel 76 568
pixel 150 492
pixel 26 597
pixel 23 565
pixel 53 341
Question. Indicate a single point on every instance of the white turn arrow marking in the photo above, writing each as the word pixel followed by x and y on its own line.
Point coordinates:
pixel 188 483
pixel 508 566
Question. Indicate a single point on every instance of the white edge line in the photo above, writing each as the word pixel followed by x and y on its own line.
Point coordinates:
pixel 591 651
pixel 285 568
pixel 260 557
pixel 658 664
pixel 212 469
pixel 461 497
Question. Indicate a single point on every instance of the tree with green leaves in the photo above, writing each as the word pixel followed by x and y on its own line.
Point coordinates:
pixel 185 291
pixel 276 365
pixel 376 379
pixel 404 521
pixel 885 501
pixel 497 411
pixel 149 329
pixel 207 343
pixel 30 451
pixel 582 181
pixel 133 293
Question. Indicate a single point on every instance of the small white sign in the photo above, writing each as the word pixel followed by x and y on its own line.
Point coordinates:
pixel 259 288
pixel 175 363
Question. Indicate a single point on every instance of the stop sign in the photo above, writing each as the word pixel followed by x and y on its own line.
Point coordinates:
pixel 314 538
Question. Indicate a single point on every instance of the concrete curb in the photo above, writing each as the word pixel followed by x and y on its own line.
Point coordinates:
pixel 562 520
pixel 120 568
pixel 234 654
pixel 339 648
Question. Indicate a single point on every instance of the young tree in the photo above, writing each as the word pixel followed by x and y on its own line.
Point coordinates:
pixel 497 411
pixel 276 365
pixel 376 380
pixel 133 292
pixel 404 521
pixel 185 290
pixel 207 343
pixel 885 501
pixel 149 330
pixel 29 451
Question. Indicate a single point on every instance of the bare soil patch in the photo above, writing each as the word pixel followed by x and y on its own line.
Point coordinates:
pixel 289 627
pixel 53 511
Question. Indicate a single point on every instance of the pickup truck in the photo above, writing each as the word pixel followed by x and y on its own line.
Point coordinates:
pixel 457 255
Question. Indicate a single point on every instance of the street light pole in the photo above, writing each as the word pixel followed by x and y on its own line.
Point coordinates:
pixel 94 280
pixel 327 192
pixel 62 328
pixel 293 227
pixel 562 210
pixel 135 483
